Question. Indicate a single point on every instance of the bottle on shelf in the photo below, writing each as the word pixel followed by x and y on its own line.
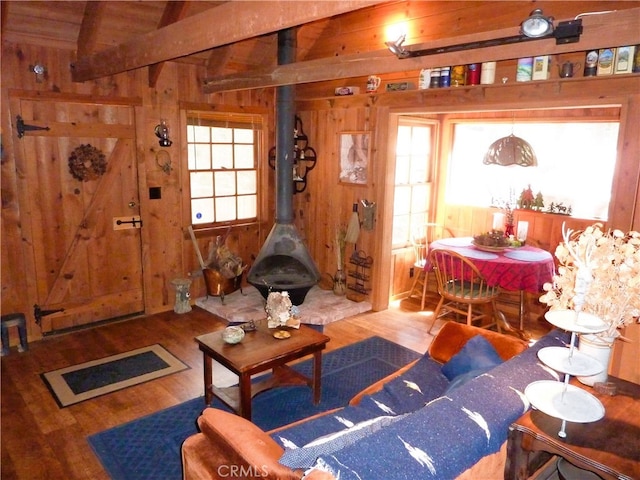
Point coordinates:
pixel 473 73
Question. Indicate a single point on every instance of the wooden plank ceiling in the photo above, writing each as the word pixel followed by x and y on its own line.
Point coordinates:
pixel 114 36
pixel 236 41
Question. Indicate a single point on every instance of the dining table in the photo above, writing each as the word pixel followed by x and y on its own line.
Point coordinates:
pixel 516 269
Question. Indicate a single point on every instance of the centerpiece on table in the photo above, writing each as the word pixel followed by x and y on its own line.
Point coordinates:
pixel 506 216
pixel 280 312
pixel 509 220
pixel 599 274
pixel 494 241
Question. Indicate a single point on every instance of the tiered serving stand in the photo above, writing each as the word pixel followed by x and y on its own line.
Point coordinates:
pixel 559 399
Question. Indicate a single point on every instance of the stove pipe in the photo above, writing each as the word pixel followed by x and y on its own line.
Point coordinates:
pixel 284 263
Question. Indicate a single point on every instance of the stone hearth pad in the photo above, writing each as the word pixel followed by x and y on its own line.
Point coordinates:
pixel 320 307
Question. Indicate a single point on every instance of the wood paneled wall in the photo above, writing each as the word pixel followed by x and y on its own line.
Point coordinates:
pixel 167 250
pixel 383 110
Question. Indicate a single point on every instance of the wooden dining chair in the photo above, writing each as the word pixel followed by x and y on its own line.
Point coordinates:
pixel 463 289
pixel 421 237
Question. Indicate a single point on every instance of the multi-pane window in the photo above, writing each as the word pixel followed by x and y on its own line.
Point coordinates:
pixel 576 162
pixel 222 162
pixel 413 179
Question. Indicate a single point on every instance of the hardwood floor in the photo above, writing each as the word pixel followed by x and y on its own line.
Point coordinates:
pixel 40 440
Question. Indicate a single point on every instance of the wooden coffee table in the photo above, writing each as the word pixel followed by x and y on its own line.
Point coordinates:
pixel 258 352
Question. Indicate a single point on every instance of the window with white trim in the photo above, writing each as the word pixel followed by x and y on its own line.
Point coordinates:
pixel 222 158
pixel 413 178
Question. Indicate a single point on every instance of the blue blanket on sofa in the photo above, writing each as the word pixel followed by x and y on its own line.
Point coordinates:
pixel 415 428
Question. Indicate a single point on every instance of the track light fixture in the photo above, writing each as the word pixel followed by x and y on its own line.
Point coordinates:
pixel 535 27
pixel 396 47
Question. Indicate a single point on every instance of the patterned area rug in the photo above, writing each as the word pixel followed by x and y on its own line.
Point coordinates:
pixel 320 307
pixel 149 448
pixel 77 383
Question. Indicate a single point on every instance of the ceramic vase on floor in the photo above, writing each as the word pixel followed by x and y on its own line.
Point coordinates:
pixel 183 296
pixel 599 348
pixel 340 283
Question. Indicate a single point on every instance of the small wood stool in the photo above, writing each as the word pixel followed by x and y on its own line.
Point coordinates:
pixel 13 320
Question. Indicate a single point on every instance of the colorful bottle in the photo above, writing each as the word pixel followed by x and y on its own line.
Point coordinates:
pixel 458 73
pixel 424 81
pixel 445 76
pixel 473 73
pixel 488 73
pixel 591 64
pixel 435 78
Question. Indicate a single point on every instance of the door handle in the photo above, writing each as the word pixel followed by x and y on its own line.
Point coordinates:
pixel 121 223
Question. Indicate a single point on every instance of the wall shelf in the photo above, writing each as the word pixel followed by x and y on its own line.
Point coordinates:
pixel 304 157
pixel 454 97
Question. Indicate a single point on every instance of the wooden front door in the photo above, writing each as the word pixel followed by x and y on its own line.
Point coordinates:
pixel 79 204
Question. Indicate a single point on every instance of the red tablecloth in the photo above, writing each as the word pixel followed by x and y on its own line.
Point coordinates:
pixel 518 269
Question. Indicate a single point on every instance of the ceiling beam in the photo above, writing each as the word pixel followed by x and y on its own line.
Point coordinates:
pixel 616 28
pixel 90 27
pixel 227 23
pixel 4 8
pixel 174 11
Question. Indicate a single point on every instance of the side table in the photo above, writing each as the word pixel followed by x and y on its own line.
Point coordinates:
pixel 609 447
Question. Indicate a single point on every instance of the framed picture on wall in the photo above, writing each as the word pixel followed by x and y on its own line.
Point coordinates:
pixel 355 153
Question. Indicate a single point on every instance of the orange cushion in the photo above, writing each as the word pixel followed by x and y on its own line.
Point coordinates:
pixel 245 444
pixel 453 336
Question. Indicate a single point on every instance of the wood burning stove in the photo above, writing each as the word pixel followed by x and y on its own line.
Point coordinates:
pixel 284 263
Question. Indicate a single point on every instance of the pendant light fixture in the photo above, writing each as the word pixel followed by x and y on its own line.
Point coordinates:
pixel 510 150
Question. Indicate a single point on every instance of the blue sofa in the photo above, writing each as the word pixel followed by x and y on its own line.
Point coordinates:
pixel 419 423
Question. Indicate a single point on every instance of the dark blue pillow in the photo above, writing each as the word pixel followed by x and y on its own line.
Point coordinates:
pixel 477 353
pixel 460 380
